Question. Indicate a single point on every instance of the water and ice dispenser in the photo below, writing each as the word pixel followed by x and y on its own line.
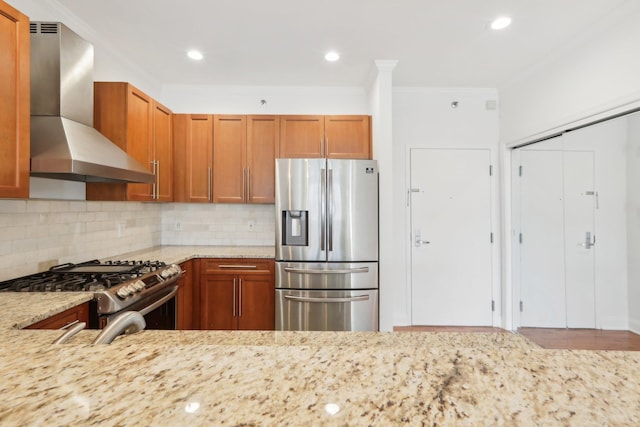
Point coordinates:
pixel 295 231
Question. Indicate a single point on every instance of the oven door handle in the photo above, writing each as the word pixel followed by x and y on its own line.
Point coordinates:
pixel 332 271
pixel 148 309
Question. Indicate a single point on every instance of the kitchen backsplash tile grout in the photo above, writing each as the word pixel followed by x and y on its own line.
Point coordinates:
pixel 37 234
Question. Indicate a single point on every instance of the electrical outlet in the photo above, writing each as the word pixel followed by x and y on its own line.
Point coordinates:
pixel 251 225
pixel 121 227
pixel 178 225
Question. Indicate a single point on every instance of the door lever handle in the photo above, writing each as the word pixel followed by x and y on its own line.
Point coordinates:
pixel 418 240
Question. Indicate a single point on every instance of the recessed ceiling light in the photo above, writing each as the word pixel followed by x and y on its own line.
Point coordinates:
pixel 500 23
pixel 194 54
pixel 332 56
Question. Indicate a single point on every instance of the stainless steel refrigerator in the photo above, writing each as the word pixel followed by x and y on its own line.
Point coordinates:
pixel 326 245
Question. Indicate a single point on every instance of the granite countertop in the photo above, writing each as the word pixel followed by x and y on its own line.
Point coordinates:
pixel 300 378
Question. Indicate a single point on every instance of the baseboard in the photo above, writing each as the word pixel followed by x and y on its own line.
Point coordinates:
pixel 634 325
pixel 614 323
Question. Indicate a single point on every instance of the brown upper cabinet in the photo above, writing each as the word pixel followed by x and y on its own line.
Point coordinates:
pixel 336 137
pixel 14 103
pixel 244 153
pixel 193 156
pixel 143 128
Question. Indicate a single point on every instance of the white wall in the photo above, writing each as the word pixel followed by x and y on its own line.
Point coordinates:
pixel 108 64
pixel 633 221
pixel 591 75
pixel 208 99
pixel 423 117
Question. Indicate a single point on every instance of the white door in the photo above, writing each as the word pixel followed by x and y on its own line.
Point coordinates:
pixel 542 289
pixel 579 234
pixel 557 285
pixel 451 237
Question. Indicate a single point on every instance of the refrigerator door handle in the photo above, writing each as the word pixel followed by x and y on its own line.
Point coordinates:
pixel 330 213
pixel 323 207
pixel 309 299
pixel 334 271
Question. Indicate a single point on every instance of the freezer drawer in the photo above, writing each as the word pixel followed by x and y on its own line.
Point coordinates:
pixel 325 275
pixel 354 310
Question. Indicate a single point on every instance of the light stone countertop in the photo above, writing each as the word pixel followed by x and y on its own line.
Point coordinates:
pixel 204 378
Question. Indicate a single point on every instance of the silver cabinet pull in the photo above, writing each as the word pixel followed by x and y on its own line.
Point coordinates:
pixel 310 299
pixel 234 297
pixel 248 184
pixel 209 183
pixel 244 184
pixel 237 266
pixel 71 329
pixel 333 271
pixel 157 179
pixel 240 298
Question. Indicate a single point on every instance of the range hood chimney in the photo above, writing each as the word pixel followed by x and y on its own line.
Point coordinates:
pixel 64 144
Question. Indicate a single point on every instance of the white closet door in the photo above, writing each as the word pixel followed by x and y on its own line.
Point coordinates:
pixel 579 198
pixel 451 223
pixel 542 287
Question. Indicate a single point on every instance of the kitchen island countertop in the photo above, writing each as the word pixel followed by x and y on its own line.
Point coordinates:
pixel 303 378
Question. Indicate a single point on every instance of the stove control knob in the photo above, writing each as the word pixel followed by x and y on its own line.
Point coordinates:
pixel 138 285
pixel 132 289
pixel 123 292
pixel 165 273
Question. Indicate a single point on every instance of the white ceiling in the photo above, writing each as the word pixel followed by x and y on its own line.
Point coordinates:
pixel 443 43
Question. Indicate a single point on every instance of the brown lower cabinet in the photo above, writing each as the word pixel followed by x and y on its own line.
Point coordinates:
pixel 236 293
pixel 185 315
pixel 78 313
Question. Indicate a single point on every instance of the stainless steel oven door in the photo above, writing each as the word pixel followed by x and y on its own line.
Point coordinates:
pixel 330 310
pixel 159 311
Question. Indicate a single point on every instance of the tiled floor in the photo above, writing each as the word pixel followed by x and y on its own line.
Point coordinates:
pixel 576 339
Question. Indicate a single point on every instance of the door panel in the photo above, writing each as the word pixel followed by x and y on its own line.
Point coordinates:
pixel 542 247
pixel 352 210
pixel 451 213
pixel 299 188
pixel 579 236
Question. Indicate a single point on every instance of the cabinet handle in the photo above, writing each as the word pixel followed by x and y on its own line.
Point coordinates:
pixel 234 297
pixel 157 179
pixel 321 147
pixel 237 266
pixel 209 183
pixel 248 184
pixel 240 300
pixel 243 184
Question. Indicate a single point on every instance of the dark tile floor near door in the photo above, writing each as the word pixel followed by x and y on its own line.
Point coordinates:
pixel 550 338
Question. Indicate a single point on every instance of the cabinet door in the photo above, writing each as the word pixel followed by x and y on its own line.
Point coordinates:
pixel 185 300
pixel 256 302
pixel 263 134
pixel 348 137
pixel 229 158
pixel 140 139
pixel 14 103
pixel 163 152
pixel 218 301
pixel 301 136
pixel 193 156
pixel 78 313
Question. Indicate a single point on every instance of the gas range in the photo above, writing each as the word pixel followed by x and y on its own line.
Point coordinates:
pixel 117 285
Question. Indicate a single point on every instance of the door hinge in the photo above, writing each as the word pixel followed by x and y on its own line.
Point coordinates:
pixel 493 305
pixel 491 237
pixel 519 170
pixel 521 306
pixel 490 170
pixel 520 238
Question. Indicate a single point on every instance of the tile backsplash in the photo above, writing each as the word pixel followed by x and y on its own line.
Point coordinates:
pixel 36 234
pixel 218 224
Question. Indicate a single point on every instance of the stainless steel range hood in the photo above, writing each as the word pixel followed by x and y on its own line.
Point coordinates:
pixel 64 144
